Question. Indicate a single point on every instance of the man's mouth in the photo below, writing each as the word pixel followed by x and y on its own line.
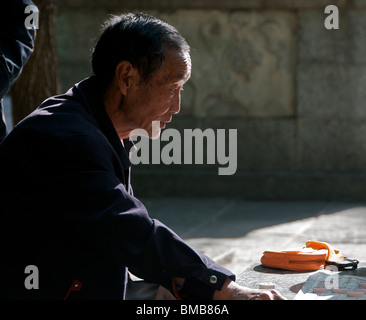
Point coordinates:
pixel 163 123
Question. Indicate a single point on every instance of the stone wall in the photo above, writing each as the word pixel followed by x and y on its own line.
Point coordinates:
pixel 294 91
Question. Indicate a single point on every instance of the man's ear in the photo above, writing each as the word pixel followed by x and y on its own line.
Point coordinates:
pixel 125 74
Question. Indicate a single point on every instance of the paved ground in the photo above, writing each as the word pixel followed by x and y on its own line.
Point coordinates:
pixel 235 233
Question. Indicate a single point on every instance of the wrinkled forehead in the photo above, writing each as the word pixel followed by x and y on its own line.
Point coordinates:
pixel 177 67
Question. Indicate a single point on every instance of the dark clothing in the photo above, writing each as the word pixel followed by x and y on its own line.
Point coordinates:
pixel 16 45
pixel 67 207
pixel 2 123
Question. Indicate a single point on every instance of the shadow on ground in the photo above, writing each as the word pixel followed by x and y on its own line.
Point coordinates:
pixel 235 233
pixel 227 218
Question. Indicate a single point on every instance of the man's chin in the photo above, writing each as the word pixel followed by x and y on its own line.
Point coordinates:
pixel 153 132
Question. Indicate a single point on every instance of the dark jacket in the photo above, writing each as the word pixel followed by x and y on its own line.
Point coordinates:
pixel 68 208
pixel 16 45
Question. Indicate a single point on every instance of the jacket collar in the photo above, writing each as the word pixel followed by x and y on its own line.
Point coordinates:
pixel 90 91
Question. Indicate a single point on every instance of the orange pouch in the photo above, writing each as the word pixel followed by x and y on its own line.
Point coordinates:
pixel 292 260
pixel 312 257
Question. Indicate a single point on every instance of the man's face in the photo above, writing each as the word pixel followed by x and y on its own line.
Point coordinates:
pixel 159 98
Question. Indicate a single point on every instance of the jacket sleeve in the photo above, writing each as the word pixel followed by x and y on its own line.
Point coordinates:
pixel 118 223
pixel 16 42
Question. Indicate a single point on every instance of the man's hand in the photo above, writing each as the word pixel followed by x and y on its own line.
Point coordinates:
pixel 232 291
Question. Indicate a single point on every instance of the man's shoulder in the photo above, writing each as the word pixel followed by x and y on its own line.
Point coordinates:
pixel 62 116
pixel 57 122
pixel 75 118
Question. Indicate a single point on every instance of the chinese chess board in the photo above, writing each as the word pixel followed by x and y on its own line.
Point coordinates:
pixel 333 286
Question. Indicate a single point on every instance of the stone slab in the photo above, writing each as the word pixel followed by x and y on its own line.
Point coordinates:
pixel 344 45
pixel 331 90
pixel 288 283
pixel 332 145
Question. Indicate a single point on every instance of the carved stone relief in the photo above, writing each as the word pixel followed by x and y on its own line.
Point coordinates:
pixel 243 62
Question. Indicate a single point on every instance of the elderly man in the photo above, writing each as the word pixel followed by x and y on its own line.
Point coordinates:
pixel 68 209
